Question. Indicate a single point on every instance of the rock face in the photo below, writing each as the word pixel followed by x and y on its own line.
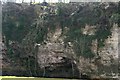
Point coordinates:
pixel 56 59
pixel 108 57
pixel 60 40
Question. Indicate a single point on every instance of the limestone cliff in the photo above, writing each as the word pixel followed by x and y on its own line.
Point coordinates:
pixel 75 40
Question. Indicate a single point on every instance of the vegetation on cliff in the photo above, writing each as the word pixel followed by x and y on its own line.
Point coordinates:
pixel 26 25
